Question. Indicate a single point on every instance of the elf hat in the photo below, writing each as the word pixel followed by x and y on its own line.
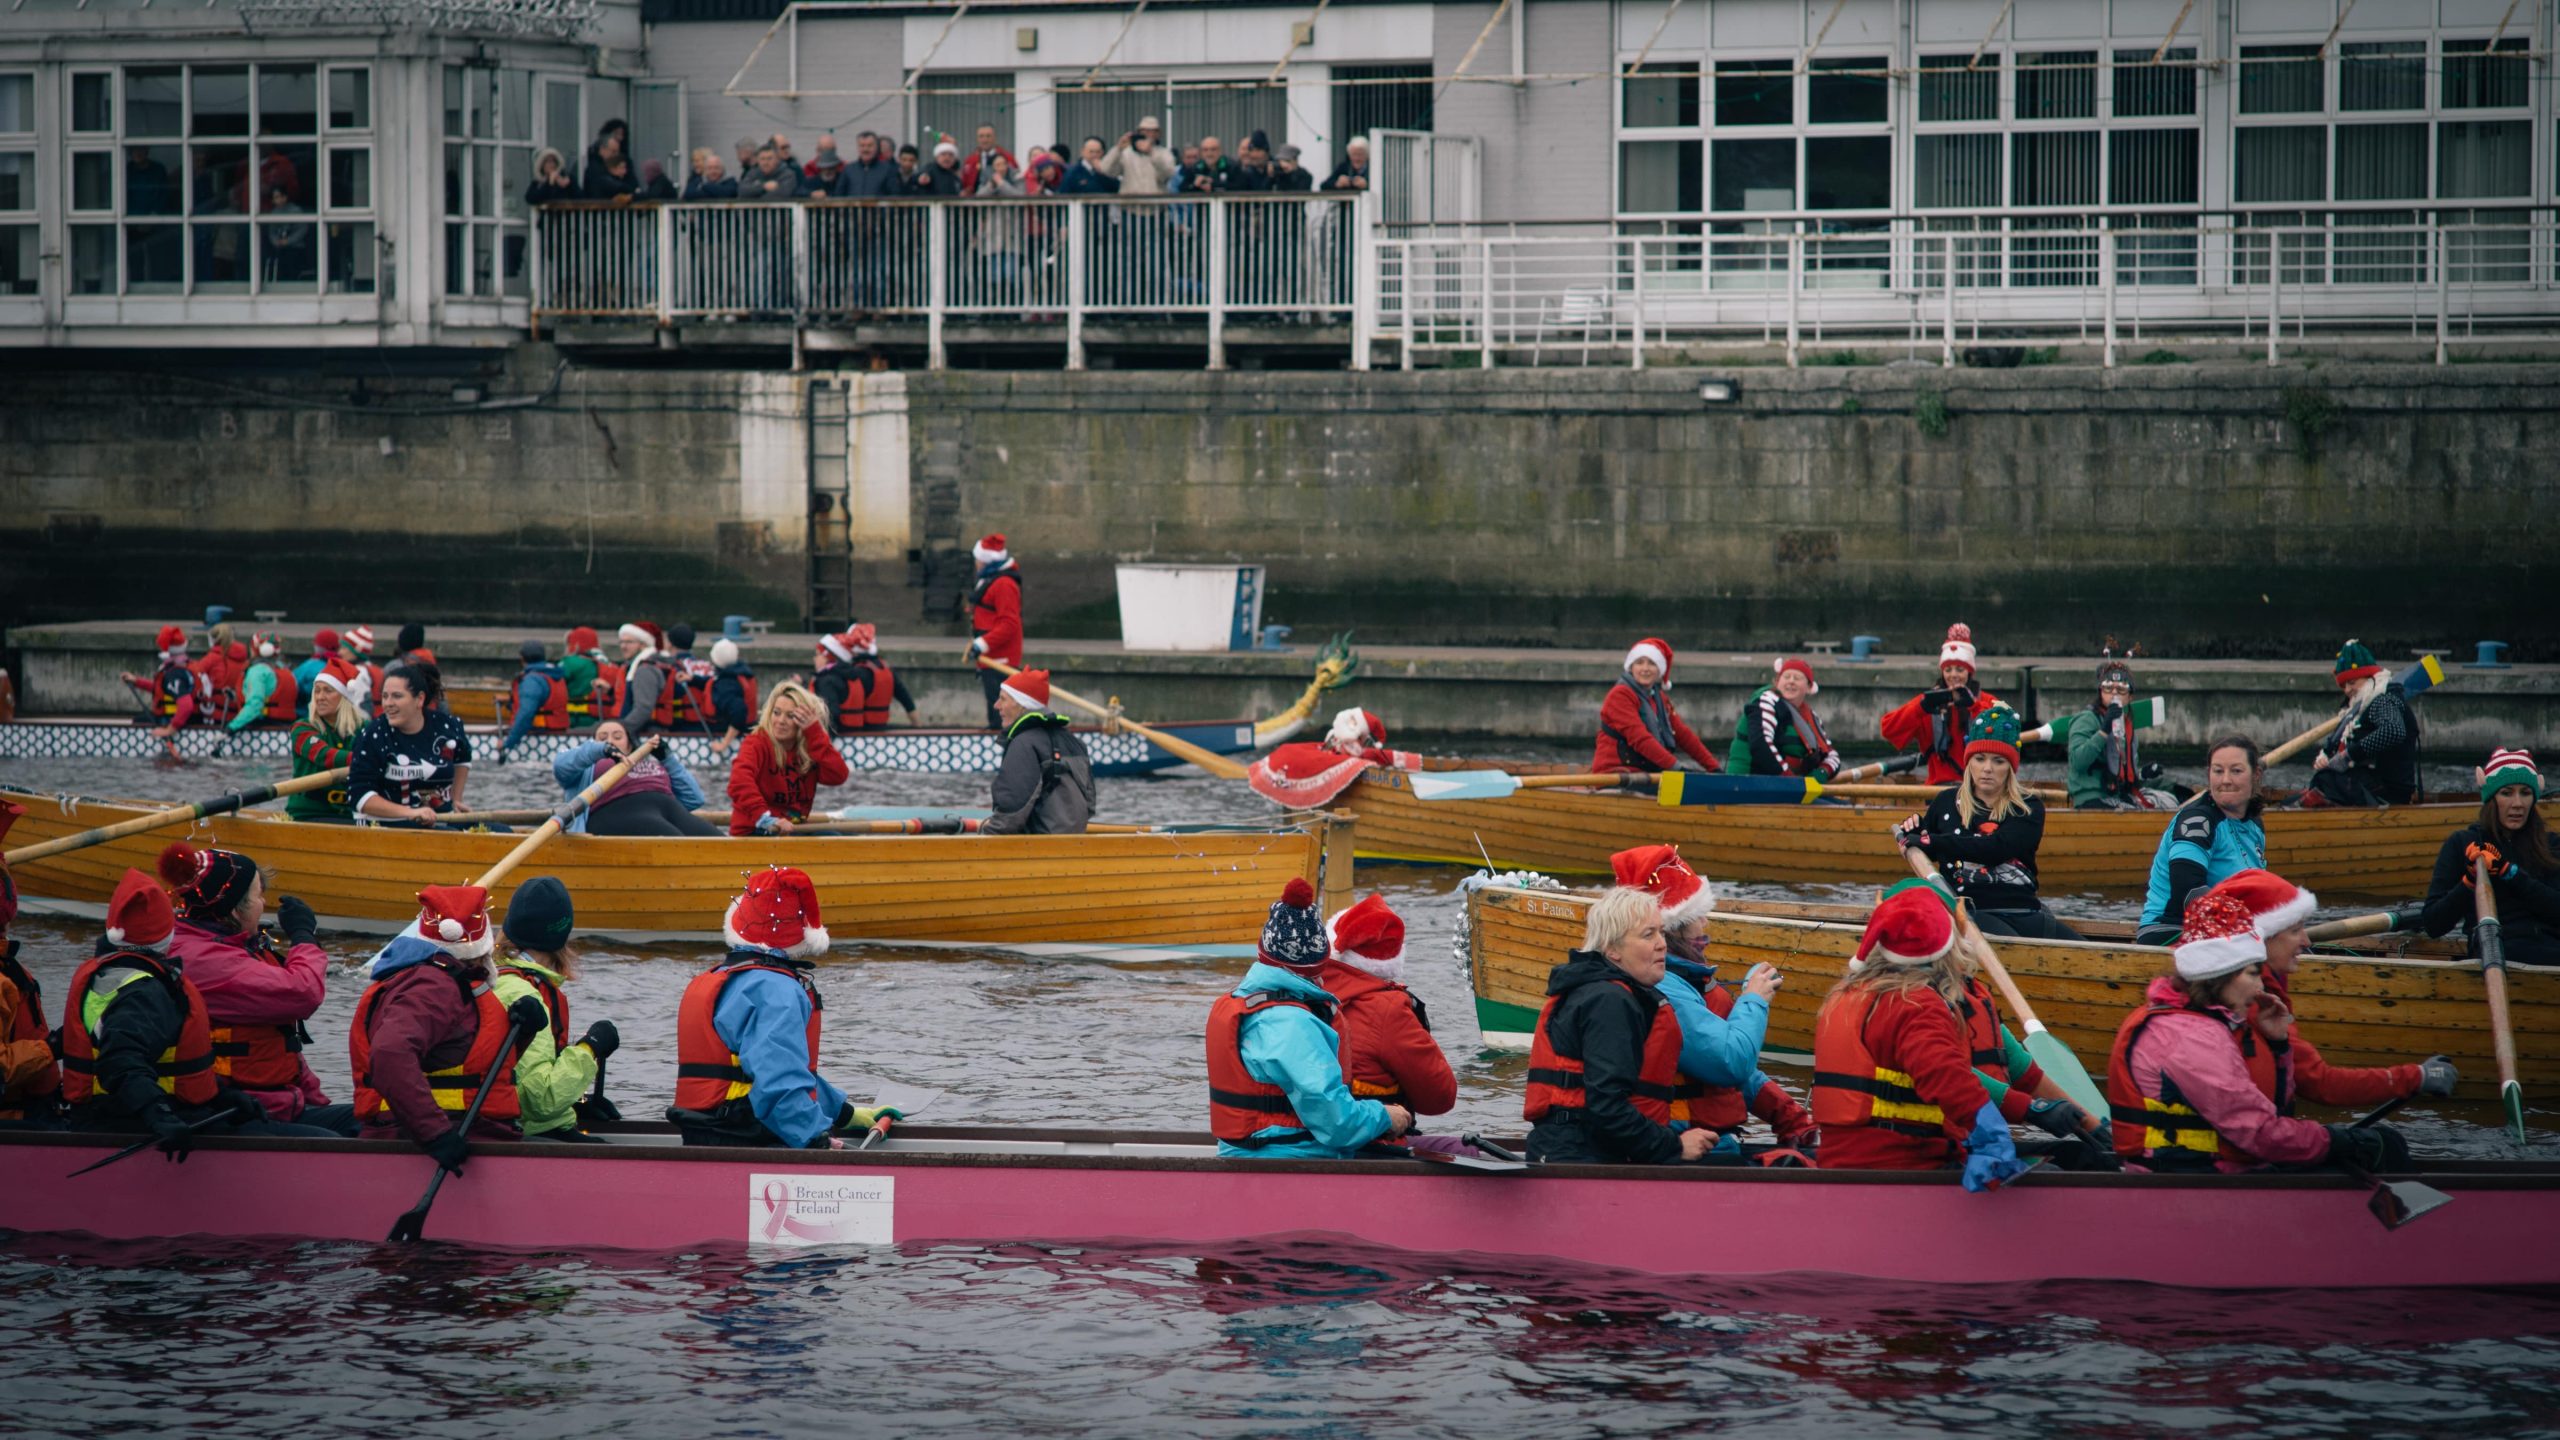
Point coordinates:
pixel 2275 903
pixel 1369 936
pixel 360 639
pixel 1651 648
pixel 1659 871
pixel 207 883
pixel 2220 938
pixel 266 647
pixel 1994 732
pixel 2355 664
pixel 778 912
pixel 2510 767
pixel 455 920
pixel 1959 647
pixel 1357 727
pixel 1292 937
pixel 2112 670
pixel 989 550
pixel 1028 689
pixel 139 918
pixel 1801 666
pixel 1914 924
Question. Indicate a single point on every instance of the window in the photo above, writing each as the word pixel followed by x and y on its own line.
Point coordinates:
pixel 2382 75
pixel 1755 92
pixel 2477 77
pixel 1659 97
pixel 2282 79
pixel 1755 176
pixel 1953 172
pixel 18 239
pixel 1848 92
pixel 2147 91
pixel 488 162
pixel 1956 87
pixel 1375 97
pixel 1660 177
pixel 1848 172
pixel 957 103
pixel 2058 85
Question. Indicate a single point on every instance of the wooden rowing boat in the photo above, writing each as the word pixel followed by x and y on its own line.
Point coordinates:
pixel 2363 1010
pixel 1201 890
pixel 1154 1191
pixel 2384 854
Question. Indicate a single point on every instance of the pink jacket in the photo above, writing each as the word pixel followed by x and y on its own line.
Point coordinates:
pixel 239 989
pixel 2196 1049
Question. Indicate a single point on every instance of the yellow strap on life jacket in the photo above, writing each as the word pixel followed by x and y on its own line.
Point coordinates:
pixel 1913 1111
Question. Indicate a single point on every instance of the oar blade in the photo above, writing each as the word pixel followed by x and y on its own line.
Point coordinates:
pixel 409 1227
pixel 2398 1202
pixel 1463 784
pixel 1677 788
pixel 2511 1096
pixel 907 1100
pixel 2422 677
pixel 2148 713
pixel 1471 1162
pixel 2056 1060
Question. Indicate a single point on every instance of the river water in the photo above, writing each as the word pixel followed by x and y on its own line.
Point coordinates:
pixel 1280 1338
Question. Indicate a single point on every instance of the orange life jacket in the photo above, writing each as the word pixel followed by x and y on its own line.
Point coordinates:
pixel 606 701
pixel 1852 1087
pixel 282 708
pixel 454 1085
pixel 554 714
pixel 185 1069
pixel 1555 1079
pixel 1240 1106
pixel 259 1057
pixel 37 1091
pixel 709 1076
pixel 2162 1132
pixel 690 692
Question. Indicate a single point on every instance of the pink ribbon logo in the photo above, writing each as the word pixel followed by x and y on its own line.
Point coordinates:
pixel 779 1215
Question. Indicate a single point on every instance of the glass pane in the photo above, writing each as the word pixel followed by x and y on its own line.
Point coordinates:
pixel 2057 84
pixel 288 100
pixel 515 104
pixel 17 104
pixel 453 100
pixel 514 275
pixel 1848 172
pixel 155 102
pixel 17 181
pixel 1949 91
pixel 288 256
pixel 2048 167
pixel 457 178
pixel 484 170
pixel 222 256
pixel 560 120
pixel 151 179
pixel 2279 162
pixel 482 86
pixel 289 171
pixel 2144 89
pixel 518 174
pixel 2381 162
pixel 93 180
pixel 484 264
pixel 350 179
pixel 351 259
pixel 457 258
pixel 1661 176
pixel 2281 79
pixel 93 259
pixel 1755 176
pixel 93 110
pixel 2484 159
pixel 2382 75
pixel 18 260
pixel 1659 96
pixel 1846 92
pixel 1956 171
pixel 350 97
pixel 2151 167
pixel 155 258
pixel 2475 78
pixel 1756 92
pixel 957 103
pixel 221 180
pixel 221 100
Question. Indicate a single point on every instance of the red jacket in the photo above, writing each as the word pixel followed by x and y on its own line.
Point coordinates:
pixel 969 170
pixel 998 619
pixel 1917 1034
pixel 1387 1051
pixel 759 785
pixel 1622 731
pixel 1908 728
pixel 2315 1079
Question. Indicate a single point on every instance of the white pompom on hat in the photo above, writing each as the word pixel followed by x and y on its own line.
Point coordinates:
pixel 1959 647
pixel 724 652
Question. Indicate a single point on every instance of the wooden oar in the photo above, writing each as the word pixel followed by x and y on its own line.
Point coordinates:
pixel 1878 769
pixel 413 1222
pixel 561 815
pixel 2415 681
pixel 176 815
pixel 2380 922
pixel 1209 760
pixel 1671 787
pixel 492 817
pixel 2046 1047
pixel 2492 938
pixel 146 1143
pixel 949 825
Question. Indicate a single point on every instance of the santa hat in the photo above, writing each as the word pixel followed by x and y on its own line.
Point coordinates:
pixel 324 641
pixel 2275 903
pixel 837 645
pixel 1659 871
pixel 1651 648
pixel 864 639
pixel 1801 666
pixel 171 638
pixel 990 550
pixel 582 639
pixel 1994 732
pixel 139 918
pixel 1959 647
pixel 778 912
pixel 360 640
pixel 1369 936
pixel 1914 924
pixel 455 920
pixel 1028 688
pixel 266 647
pixel 207 883
pixel 1356 726
pixel 2355 665
pixel 638 634
pixel 1293 937
pixel 2220 937
pixel 2505 768
pixel 724 653
pixel 334 680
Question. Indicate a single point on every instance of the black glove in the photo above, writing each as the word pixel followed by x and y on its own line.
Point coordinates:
pixel 244 1107
pixel 602 1038
pixel 2436 1076
pixel 53 1042
pixel 2058 1118
pixel 1936 700
pixel 527 1014
pixel 175 1139
pixel 2364 1149
pixel 295 918
pixel 594 1110
pixel 2114 713
pixel 448 1150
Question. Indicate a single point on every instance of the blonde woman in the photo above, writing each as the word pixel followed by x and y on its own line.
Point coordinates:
pixel 1606 1058
pixel 775 779
pixel 319 741
pixel 1983 831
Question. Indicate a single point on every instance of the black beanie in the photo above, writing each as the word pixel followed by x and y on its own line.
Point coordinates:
pixel 412 637
pixel 532 652
pixel 680 636
pixel 539 915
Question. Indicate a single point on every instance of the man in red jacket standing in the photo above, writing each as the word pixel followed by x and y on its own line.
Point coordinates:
pixel 1639 730
pixel 995 617
pixel 1387 1050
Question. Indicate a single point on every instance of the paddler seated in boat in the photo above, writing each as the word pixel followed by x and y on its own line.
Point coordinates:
pixel 322 740
pixel 1938 722
pixel 173 687
pixel 1276 1083
pixel 2179 1086
pixel 2280 912
pixel 408 765
pixel 324 648
pixel 1894 1079
pixel 774 780
pixel 552 1075
pixel 1640 731
pixel 1721 1085
pixel 1306 773
pixel 1778 733
pixel 582 660
pixel 2372 757
pixel 1387 1051
pixel 2524 865
pixel 430 1027
pixel 1044 785
pixel 2211 838
pixel 732 708
pixel 853 687
pixel 647 679
pixel 267 690
pixel 137 1043
pixel 1983 832
pixel 30 1057
pixel 260 990
pixel 2105 770
pixel 747 1030
pixel 541 699
pixel 1604 1065
pixel 656 797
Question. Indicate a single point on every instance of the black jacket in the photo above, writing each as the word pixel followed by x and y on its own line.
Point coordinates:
pixel 1045 785
pixel 140 1023
pixel 1604 1026
pixel 1994 864
pixel 2528 905
pixel 2383 743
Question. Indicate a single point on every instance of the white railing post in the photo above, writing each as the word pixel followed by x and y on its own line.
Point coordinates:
pixel 2275 293
pixel 1795 283
pixel 1217 284
pixel 1366 282
pixel 1637 330
pixel 803 275
pixel 2444 253
pixel 663 237
pixel 2107 284
pixel 533 311
pixel 1485 313
pixel 1947 334
pixel 937 282
pixel 1077 210
pixel 1405 303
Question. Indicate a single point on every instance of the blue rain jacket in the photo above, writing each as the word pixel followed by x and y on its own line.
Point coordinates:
pixel 1294 1050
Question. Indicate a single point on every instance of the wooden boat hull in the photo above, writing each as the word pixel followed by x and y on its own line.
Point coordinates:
pixel 1196 890
pixel 944 1187
pixel 2379 854
pixel 2360 1011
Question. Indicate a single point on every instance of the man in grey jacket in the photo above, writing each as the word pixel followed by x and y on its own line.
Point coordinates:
pixel 1045 784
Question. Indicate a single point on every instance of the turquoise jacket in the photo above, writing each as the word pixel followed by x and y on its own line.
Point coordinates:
pixel 1291 1048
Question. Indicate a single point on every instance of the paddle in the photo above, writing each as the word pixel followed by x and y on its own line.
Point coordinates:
pixel 907 1100
pixel 2393 1202
pixel 146 1143
pixel 1211 761
pixel 946 825
pixel 2143 713
pixel 2417 680
pixel 565 812
pixel 175 815
pixel 2493 977
pixel 1877 769
pixel 413 1223
pixel 2380 922
pixel 2043 1045
pixel 1671 787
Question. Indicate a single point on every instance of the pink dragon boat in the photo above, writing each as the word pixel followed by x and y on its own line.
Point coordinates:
pixel 931 1185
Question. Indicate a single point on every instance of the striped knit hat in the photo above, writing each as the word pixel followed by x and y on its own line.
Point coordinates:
pixel 2510 767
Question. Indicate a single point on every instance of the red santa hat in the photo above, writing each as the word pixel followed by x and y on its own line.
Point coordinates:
pixel 864 639
pixel 990 550
pixel 2275 903
pixel 455 920
pixel 2219 937
pixel 1801 666
pixel 1653 648
pixel 171 638
pixel 840 646
pixel 1959 647
pixel 1369 936
pixel 1357 727
pixel 637 633
pixel 778 912
pixel 139 917
pixel 581 639
pixel 1028 688
pixel 1915 924
pixel 324 641
pixel 1658 870
pixel 360 639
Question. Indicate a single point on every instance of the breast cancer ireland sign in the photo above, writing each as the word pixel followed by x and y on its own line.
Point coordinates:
pixel 823 1208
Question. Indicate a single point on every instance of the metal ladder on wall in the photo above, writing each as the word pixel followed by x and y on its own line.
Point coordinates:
pixel 828 601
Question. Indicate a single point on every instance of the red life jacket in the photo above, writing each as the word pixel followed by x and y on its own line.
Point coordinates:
pixel 37 1091
pixel 1714 1107
pixel 2162 1132
pixel 282 702
pixel 217 685
pixel 167 689
pixel 1241 1106
pixel 1981 1020
pixel 670 691
pixel 555 1001
pixel 709 1076
pixel 693 688
pixel 606 702
pixel 755 706
pixel 185 1069
pixel 1555 1079
pixel 875 702
pixel 454 1085
pixel 1854 1087
pixel 852 710
pixel 259 1057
